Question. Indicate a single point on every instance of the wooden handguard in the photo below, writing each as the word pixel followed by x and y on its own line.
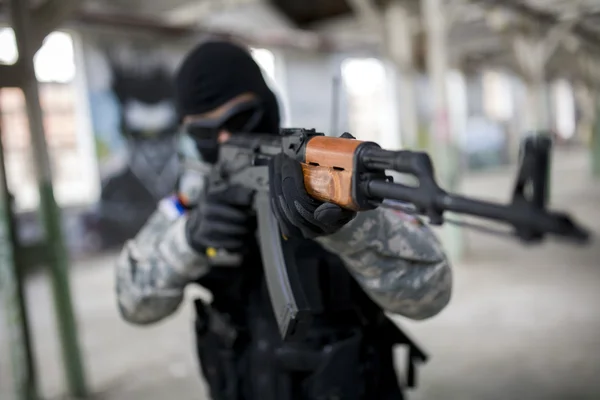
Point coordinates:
pixel 328 168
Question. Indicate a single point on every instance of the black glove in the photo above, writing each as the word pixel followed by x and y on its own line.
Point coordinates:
pixel 299 214
pixel 222 220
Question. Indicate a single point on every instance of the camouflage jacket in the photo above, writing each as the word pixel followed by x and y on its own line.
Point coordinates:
pixel 395 258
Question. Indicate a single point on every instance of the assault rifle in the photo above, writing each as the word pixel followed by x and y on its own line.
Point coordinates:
pixel 352 174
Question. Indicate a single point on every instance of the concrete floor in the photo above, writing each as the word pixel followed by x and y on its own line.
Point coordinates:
pixel 522 323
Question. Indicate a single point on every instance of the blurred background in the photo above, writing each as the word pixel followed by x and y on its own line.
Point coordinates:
pixel 464 80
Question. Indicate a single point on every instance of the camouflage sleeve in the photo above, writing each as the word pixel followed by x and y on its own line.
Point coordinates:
pixel 397 260
pixel 156 265
pixel 154 268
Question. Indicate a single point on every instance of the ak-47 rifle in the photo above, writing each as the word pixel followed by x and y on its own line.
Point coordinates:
pixel 352 174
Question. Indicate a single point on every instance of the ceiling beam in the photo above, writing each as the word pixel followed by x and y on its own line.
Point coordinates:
pixel 546 20
pixel 130 22
pixel 193 12
pixel 298 39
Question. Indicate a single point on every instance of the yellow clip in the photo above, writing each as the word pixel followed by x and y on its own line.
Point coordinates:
pixel 284 237
pixel 211 252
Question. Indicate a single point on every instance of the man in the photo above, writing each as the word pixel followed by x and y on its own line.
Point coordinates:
pixel 354 266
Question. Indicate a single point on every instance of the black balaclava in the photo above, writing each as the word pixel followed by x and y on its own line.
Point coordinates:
pixel 217 71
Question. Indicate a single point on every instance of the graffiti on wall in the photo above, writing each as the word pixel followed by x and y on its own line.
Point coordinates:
pixel 135 126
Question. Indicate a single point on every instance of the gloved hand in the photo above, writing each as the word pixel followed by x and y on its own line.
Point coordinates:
pixel 221 221
pixel 298 213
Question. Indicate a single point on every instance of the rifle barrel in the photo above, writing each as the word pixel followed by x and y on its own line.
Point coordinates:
pixel 520 216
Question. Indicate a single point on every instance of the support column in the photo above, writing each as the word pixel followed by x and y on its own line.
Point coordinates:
pixel 585 99
pixel 587 92
pixel 399 41
pixel 13 296
pixel 537 106
pixel 443 143
pixel 531 55
pixel 49 212
pixel 395 29
pixel 532 52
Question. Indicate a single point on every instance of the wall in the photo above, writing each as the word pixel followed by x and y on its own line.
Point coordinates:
pixel 308 83
pixel 324 92
pixel 134 123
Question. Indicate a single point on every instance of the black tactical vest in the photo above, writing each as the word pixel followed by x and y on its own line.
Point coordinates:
pixel 347 354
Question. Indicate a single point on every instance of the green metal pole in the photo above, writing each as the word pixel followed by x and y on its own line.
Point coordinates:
pixel 11 287
pixel 49 211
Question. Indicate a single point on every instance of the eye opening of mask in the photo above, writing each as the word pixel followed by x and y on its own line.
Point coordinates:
pixel 242 117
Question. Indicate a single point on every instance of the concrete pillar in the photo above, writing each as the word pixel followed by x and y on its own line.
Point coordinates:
pixel 443 141
pixel 279 86
pixel 586 105
pixel 518 123
pixel 587 93
pixel 399 42
pixel 538 110
pixel 393 137
pixel 474 87
pixel 531 55
pixel 395 27
pixel 83 120
pixel 458 108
